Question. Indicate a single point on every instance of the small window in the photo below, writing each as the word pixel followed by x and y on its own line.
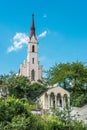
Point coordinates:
pixel 33 48
pixel 32 75
pixel 32 60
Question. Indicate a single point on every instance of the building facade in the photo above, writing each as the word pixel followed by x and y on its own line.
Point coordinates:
pixel 54 97
pixel 31 67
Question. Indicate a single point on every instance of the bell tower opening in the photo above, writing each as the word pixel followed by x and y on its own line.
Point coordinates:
pixel 33 48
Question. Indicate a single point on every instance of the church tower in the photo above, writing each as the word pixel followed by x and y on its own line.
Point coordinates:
pixel 31 67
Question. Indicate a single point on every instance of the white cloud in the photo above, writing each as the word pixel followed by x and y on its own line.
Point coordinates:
pixel 45 16
pixel 18 41
pixel 43 34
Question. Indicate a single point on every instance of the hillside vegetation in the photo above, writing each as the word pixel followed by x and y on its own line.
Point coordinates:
pixel 16 106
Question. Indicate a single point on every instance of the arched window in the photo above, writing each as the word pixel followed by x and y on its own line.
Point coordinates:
pixel 32 60
pixel 32 75
pixel 33 48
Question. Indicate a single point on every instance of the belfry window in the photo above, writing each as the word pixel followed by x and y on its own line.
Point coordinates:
pixel 33 48
pixel 32 75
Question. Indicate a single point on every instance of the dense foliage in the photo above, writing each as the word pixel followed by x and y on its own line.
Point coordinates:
pixel 20 87
pixel 15 114
pixel 35 90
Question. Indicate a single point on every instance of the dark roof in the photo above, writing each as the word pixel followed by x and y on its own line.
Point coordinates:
pixel 32 32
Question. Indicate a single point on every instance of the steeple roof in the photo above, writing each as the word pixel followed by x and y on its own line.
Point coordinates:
pixel 32 32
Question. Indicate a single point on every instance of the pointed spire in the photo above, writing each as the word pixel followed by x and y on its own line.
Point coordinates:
pixel 32 28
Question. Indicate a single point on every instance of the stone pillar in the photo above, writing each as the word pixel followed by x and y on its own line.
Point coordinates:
pixel 68 100
pixel 58 101
pixel 62 101
pixel 55 101
pixel 48 100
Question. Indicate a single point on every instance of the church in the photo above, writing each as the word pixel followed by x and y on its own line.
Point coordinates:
pixel 31 67
pixel 55 96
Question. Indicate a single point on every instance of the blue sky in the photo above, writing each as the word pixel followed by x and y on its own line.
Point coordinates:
pixel 61 28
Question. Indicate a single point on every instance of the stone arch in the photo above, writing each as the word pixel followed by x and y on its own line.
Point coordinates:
pixel 59 102
pixel 52 96
pixel 65 100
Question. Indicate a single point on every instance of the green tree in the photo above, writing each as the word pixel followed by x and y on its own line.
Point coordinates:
pixel 74 73
pixel 16 85
pixel 14 112
pixel 20 87
pixel 35 90
pixel 71 76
